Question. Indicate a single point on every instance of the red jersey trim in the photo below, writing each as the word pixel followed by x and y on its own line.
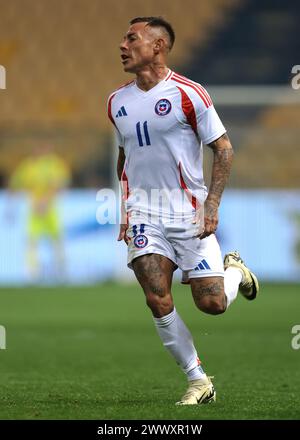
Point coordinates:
pixel 198 89
pixel 201 88
pixel 111 98
pixel 188 110
pixel 109 109
pixel 183 185
pixel 124 185
pixel 124 85
pixel 169 75
pixel 197 85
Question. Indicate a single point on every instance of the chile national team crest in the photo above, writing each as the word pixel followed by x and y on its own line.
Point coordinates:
pixel 140 241
pixel 163 107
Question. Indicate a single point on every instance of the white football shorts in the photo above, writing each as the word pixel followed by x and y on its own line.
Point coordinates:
pixel 178 242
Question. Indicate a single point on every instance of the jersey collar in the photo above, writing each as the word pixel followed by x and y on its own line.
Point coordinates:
pixel 154 89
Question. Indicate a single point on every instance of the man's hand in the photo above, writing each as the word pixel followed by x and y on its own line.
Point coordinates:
pixel 124 225
pixel 123 235
pixel 211 219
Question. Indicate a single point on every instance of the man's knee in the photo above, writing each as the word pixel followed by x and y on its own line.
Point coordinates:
pixel 212 306
pixel 209 296
pixel 154 273
pixel 160 304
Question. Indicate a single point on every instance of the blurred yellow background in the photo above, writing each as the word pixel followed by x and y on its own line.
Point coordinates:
pixel 62 62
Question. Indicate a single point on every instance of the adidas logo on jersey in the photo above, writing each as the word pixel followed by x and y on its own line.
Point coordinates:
pixel 121 112
pixel 202 265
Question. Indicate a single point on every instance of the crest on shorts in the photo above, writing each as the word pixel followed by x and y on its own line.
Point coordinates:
pixel 163 107
pixel 140 241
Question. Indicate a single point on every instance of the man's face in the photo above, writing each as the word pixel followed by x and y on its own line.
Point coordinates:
pixel 137 47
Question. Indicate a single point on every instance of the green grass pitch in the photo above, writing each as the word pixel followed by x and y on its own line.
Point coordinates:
pixel 93 353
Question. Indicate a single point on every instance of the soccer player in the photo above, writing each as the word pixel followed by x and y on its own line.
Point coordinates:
pixel 161 120
pixel 42 175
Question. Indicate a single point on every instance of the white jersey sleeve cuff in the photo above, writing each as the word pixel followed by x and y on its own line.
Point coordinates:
pixel 214 137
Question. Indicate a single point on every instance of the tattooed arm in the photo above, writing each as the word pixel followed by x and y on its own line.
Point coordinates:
pixel 223 155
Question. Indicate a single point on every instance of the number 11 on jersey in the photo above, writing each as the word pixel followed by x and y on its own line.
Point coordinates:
pixel 139 134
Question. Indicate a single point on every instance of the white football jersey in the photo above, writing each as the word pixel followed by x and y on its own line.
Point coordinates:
pixel 162 131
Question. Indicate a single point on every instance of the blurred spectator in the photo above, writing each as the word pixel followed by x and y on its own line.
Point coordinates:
pixel 42 175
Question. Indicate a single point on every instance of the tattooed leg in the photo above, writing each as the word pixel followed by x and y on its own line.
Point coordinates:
pixel 154 273
pixel 208 294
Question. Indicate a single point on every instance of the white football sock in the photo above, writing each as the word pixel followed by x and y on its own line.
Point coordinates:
pixel 232 278
pixel 179 342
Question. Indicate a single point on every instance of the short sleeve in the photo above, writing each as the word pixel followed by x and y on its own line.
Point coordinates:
pixel 209 125
pixel 201 113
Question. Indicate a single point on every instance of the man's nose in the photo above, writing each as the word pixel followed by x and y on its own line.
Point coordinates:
pixel 123 45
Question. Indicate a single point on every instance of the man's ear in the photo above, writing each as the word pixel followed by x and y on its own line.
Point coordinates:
pixel 158 45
